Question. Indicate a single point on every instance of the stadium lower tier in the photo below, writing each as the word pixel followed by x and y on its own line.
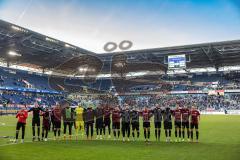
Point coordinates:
pixel 12 101
pixel 11 98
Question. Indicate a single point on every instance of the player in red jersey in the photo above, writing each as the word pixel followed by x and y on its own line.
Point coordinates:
pixel 177 122
pixel 185 122
pixel 45 124
pixel 107 120
pixel 22 116
pixel 57 114
pixel 116 116
pixel 146 115
pixel 195 118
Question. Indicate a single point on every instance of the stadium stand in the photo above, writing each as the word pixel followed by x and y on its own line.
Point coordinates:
pixel 49 70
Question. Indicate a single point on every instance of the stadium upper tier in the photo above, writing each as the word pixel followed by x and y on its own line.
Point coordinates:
pixel 24 48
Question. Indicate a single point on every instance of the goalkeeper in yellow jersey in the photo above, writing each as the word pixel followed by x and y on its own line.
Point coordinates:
pixel 79 123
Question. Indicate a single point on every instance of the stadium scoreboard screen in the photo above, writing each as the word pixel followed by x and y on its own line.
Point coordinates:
pixel 177 61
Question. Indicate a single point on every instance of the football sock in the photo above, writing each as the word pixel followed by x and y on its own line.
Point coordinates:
pixel 101 131
pixel 156 134
pixel 118 133
pixel 114 133
pixel 97 131
pixel 23 132
pixel 197 134
pixel 123 132
pixel 109 130
pixel 104 130
pixel 87 131
pixel 17 131
pixel 92 130
pixel 55 132
pixel 159 132
pixel 128 132
pixel 145 136
pixel 38 130
pixel 59 132
pixel 46 134
pixel 42 133
pixel 33 131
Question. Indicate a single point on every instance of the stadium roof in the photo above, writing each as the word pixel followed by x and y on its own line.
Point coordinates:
pixel 39 51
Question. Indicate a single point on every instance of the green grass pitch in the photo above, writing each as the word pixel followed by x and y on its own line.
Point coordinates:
pixel 219 140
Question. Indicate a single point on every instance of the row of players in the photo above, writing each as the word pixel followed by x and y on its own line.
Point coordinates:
pixel 103 116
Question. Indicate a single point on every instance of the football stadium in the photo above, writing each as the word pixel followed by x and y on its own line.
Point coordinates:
pixel 119 80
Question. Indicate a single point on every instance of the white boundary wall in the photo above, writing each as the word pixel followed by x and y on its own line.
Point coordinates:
pixel 229 112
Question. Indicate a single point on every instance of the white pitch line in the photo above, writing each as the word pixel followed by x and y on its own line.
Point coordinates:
pixel 8 144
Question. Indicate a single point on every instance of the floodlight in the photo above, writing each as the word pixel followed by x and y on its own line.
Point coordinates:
pixel 13 53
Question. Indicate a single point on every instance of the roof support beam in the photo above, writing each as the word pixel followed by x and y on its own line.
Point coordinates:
pixel 213 58
pixel 208 52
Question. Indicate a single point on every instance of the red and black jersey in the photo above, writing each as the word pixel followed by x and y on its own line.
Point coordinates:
pixel 46 118
pixel 146 114
pixel 57 114
pixel 194 114
pixel 116 116
pixel 107 113
pixel 185 114
pixel 177 113
pixel 22 116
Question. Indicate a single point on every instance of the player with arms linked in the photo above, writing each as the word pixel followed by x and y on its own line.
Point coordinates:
pixel 177 113
pixel 22 117
pixel 185 122
pixel 36 119
pixel 195 118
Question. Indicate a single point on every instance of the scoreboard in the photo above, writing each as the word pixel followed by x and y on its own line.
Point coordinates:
pixel 177 61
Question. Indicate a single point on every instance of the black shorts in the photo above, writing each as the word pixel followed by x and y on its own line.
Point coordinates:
pixel 177 124
pixel 194 125
pixel 116 125
pixel 20 125
pixel 36 122
pixel 68 123
pixel 135 126
pixel 57 124
pixel 89 124
pixel 146 124
pixel 99 123
pixel 157 124
pixel 167 125
pixel 107 122
pixel 185 124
